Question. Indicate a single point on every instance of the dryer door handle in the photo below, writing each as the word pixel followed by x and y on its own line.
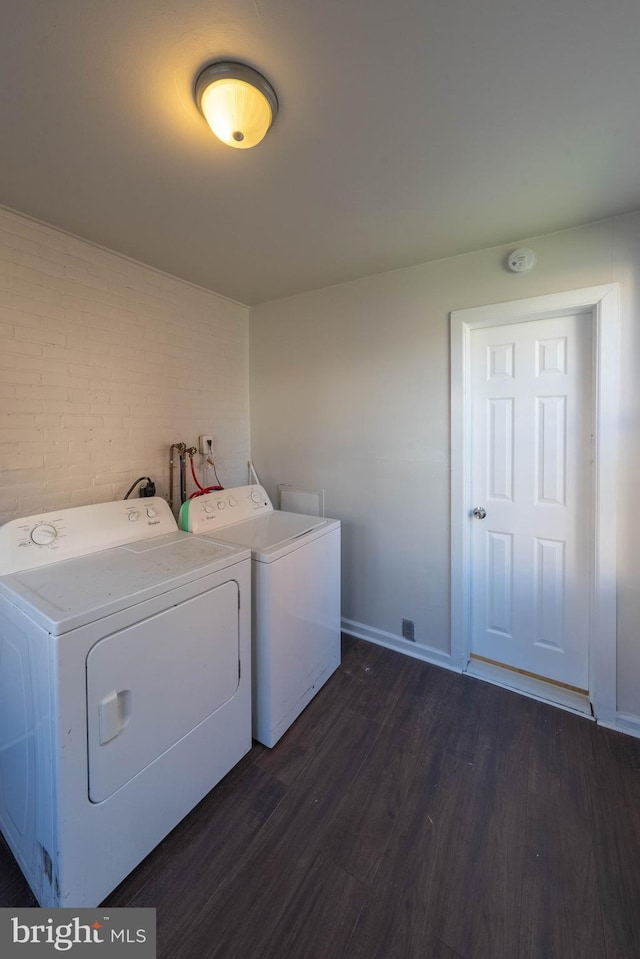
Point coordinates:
pixel 113 714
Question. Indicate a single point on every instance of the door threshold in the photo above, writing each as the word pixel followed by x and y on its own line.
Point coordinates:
pixel 560 696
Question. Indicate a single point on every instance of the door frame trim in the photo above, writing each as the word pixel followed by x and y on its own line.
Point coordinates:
pixel 601 305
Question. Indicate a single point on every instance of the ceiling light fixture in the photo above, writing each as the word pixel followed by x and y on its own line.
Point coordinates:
pixel 237 102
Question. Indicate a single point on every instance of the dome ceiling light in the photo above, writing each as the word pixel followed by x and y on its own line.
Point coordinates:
pixel 237 102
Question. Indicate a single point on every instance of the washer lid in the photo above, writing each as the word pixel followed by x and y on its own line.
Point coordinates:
pixel 275 533
pixel 72 593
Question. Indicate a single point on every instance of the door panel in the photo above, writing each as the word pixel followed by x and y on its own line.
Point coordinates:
pixel 150 684
pixel 531 468
pixel 499 579
pixel 500 448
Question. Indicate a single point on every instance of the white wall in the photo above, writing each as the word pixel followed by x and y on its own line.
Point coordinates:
pixel 103 364
pixel 350 392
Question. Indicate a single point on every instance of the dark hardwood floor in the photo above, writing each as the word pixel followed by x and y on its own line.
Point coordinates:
pixel 410 813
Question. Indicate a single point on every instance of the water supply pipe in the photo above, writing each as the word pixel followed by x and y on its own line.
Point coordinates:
pixel 180 447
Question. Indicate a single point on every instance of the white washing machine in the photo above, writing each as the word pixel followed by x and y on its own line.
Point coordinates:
pixel 296 597
pixel 125 688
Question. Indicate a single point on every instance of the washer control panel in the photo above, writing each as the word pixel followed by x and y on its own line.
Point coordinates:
pixel 51 537
pixel 213 511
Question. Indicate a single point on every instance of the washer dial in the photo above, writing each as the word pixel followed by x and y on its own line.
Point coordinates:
pixel 44 534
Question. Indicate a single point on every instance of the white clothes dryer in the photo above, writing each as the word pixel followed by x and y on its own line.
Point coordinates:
pixel 125 688
pixel 296 597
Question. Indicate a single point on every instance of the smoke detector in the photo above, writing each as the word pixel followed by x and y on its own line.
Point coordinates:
pixel 521 260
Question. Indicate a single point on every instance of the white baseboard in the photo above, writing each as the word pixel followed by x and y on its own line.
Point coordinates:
pixel 428 654
pixel 624 723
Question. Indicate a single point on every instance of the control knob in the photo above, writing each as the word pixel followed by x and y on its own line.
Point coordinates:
pixel 44 534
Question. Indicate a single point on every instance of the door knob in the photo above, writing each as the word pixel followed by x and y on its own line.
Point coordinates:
pixel 479 512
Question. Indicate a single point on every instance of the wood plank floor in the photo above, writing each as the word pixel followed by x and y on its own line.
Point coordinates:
pixel 410 813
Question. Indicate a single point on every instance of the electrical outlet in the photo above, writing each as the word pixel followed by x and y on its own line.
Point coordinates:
pixel 206 445
pixel 409 630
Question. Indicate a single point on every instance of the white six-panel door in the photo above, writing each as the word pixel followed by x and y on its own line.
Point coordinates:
pixel 531 449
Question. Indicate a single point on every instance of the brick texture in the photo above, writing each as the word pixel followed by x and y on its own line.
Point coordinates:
pixel 103 364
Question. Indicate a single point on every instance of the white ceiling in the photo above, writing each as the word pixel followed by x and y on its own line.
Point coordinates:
pixel 408 130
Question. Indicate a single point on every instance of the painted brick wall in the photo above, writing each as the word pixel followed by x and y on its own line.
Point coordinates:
pixel 103 364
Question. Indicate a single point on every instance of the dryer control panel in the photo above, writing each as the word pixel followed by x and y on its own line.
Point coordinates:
pixel 79 530
pixel 214 511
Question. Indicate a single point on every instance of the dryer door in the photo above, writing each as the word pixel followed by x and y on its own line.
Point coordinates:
pixel 149 685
